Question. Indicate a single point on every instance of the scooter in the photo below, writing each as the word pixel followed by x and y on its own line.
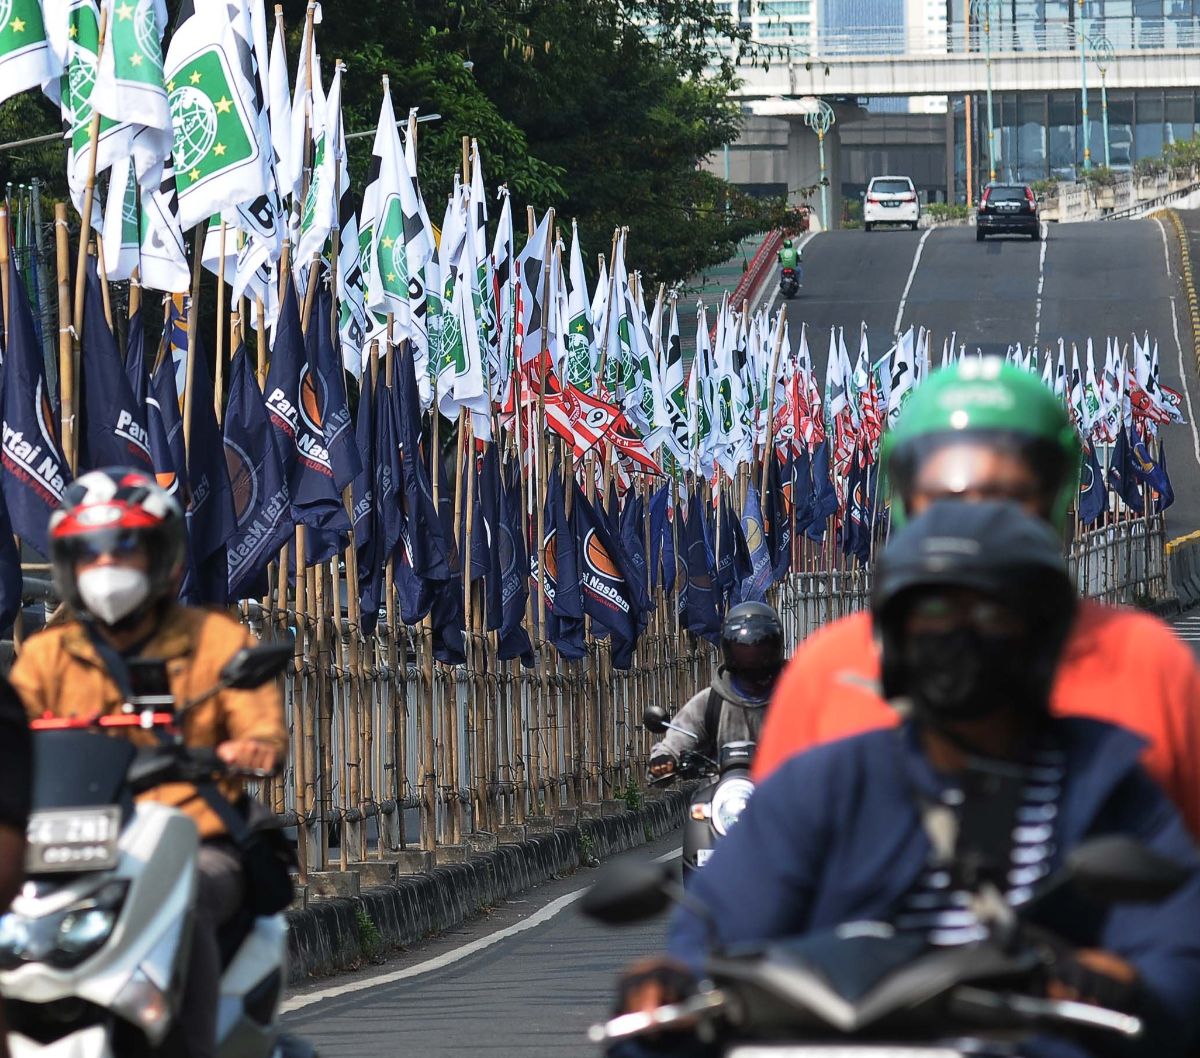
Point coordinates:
pixel 94 950
pixel 789 282
pixel 865 990
pixel 718 801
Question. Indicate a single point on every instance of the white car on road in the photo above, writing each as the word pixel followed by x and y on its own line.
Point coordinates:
pixel 891 200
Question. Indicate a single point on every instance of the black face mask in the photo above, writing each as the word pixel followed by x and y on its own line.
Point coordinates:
pixel 964 675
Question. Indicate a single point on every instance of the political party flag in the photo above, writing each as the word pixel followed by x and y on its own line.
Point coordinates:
pixel 559 566
pixel 261 502
pixel 702 615
pixel 606 593
pixel 753 588
pixel 130 87
pixel 514 570
pixel 163 258
pixel 27 57
pixel 1153 473
pixel 325 366
pixel 1093 496
pixel 780 523
pixel 113 429
pixel 662 540
pixel 362 510
pixel 1123 473
pixel 34 469
pixel 214 109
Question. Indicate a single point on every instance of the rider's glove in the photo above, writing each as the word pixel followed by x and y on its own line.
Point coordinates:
pixel 661 766
pixel 1088 977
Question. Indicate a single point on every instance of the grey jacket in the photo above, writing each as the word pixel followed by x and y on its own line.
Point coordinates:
pixel 741 720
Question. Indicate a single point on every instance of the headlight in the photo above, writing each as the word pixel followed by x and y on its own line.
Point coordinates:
pixel 728 803
pixel 65 938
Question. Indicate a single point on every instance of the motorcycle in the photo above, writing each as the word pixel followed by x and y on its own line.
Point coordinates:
pixel 789 282
pixel 718 801
pixel 865 990
pixel 94 951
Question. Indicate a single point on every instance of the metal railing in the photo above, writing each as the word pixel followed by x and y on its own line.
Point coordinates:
pixel 1007 38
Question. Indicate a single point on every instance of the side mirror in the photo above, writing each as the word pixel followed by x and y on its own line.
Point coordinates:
pixel 251 667
pixel 626 893
pixel 1118 869
pixel 654 719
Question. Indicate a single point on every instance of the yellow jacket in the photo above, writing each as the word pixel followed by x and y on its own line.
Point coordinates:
pixel 59 673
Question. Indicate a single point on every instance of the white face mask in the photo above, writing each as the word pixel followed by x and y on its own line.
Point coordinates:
pixel 113 592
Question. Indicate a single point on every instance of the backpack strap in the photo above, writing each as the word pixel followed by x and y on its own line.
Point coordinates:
pixel 712 714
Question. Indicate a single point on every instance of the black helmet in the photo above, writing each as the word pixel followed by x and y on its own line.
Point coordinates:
pixel 752 648
pixel 991 549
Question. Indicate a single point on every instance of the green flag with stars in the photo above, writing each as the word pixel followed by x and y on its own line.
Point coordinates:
pixel 26 58
pixel 130 88
pixel 213 110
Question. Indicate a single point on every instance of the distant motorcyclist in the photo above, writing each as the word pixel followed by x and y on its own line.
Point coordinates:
pixel 789 256
pixel 117 547
pixel 972 604
pixel 732 708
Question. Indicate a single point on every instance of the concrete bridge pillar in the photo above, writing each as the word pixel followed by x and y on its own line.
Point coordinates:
pixel 804 163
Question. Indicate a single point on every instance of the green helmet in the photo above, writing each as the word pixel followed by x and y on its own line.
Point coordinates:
pixel 989 402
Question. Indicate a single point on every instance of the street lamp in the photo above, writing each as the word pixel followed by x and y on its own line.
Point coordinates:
pixel 1081 36
pixel 986 6
pixel 1105 54
pixel 820 118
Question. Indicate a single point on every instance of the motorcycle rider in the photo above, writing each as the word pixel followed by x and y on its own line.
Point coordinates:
pixel 789 256
pixel 117 546
pixel 972 605
pixel 984 429
pixel 732 708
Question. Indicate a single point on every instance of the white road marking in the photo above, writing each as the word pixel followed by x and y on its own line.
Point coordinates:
pixel 439 962
pixel 1037 312
pixel 1187 390
pixel 1166 250
pixel 912 272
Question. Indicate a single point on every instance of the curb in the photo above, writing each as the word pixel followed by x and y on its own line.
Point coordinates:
pixel 1189 284
pixel 327 936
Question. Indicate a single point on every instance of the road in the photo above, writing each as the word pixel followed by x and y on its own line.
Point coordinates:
pixel 1084 280
pixel 531 994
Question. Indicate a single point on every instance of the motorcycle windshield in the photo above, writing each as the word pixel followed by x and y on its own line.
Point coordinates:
pixel 79 769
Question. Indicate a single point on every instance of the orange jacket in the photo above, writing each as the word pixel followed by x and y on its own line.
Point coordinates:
pixel 59 673
pixel 1119 665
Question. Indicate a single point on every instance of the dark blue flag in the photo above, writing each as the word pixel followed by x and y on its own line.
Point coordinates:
pixel 362 511
pixel 260 496
pixel 10 572
pixel 1154 474
pixel 1093 496
pixel 330 384
pixel 564 596
pixel 136 369
pixel 35 472
pixel 753 588
pixel 1122 473
pixel 662 541
pixel 113 431
pixel 422 561
pixel 607 598
pixel 856 534
pixel 446 616
pixel 702 617
pixel 170 462
pixel 489 486
pixel 803 507
pixel 212 521
pixel 1166 495
pixel 480 557
pixel 779 516
pixel 824 494
pixel 514 570
pixel 295 395
pixel 632 541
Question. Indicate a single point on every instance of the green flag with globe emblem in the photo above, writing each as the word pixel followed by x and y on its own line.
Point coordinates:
pixel 213 110
pixel 26 57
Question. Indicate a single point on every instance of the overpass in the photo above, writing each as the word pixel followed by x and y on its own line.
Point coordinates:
pixel 1015 57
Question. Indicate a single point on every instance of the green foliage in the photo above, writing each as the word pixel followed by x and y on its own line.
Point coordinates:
pixel 27 116
pixel 587 849
pixel 1149 167
pixel 576 106
pixel 1042 188
pixel 940 211
pixel 1099 176
pixel 369 936
pixel 631 795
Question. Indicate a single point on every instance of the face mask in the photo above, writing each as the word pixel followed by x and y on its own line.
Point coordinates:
pixel 963 675
pixel 113 592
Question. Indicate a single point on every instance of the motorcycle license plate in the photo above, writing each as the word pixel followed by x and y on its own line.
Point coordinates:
pixel 817 1051
pixel 73 839
pixel 703 856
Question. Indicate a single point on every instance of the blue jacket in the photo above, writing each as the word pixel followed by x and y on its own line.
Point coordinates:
pixel 834 836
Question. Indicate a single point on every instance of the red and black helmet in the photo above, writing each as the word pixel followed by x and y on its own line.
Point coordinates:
pixel 117 510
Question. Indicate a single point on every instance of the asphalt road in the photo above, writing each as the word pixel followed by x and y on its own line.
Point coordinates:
pixel 531 994
pixel 1081 281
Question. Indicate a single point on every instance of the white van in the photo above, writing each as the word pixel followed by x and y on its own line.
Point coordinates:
pixel 891 200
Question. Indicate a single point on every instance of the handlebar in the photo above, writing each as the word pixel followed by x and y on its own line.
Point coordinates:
pixel 682 1015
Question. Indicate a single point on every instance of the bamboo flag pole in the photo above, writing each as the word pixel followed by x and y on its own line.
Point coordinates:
pixel 219 376
pixel 192 331
pixel 4 291
pixel 540 513
pixel 89 190
pixel 66 345
pixel 105 296
pixel 768 451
